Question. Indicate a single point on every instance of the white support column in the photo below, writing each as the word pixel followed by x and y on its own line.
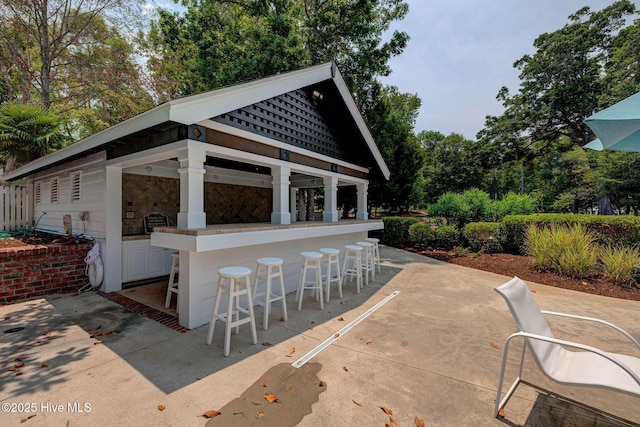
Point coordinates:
pixel 362 201
pixel 281 183
pixel 293 203
pixel 191 170
pixel 112 249
pixel 330 199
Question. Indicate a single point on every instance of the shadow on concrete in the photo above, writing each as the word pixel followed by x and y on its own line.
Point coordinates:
pixel 552 409
pixel 167 358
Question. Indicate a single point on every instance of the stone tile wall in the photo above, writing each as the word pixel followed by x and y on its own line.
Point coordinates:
pixel 224 203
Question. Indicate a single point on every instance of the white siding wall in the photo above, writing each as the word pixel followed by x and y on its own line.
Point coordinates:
pixel 92 197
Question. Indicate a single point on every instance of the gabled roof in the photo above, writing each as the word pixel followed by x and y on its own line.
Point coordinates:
pixel 200 107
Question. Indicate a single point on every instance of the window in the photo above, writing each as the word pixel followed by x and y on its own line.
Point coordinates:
pixel 37 193
pixel 75 187
pixel 54 190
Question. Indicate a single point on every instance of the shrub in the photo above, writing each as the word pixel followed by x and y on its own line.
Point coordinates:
pixel 452 207
pixel 424 236
pixel 483 235
pixel 511 204
pixel 607 229
pixel 570 250
pixel 620 263
pixel 445 237
pixel 396 231
pixel 421 235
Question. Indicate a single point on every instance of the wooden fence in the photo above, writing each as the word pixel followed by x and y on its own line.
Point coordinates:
pixel 14 208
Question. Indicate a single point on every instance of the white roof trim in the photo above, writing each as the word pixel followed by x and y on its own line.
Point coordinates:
pixel 196 108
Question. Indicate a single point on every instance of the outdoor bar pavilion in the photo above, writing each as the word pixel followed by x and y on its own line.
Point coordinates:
pixel 224 166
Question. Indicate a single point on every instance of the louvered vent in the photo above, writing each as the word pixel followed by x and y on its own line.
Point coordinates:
pixel 75 187
pixel 37 193
pixel 54 190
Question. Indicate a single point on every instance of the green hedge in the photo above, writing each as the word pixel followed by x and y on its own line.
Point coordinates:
pixel 423 236
pixel 484 235
pixel 396 231
pixel 608 229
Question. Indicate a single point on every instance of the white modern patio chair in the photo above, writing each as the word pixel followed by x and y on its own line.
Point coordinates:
pixel 588 366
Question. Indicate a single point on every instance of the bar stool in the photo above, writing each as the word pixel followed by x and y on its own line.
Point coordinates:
pixel 367 261
pixel 376 250
pixel 238 278
pixel 311 262
pixel 352 265
pixel 272 268
pixel 172 288
pixel 330 257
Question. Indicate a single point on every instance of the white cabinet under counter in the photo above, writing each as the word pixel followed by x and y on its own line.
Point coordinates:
pixel 142 261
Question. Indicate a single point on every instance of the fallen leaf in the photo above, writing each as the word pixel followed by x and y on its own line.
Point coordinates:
pixel 264 383
pixel 313 322
pixel 38 341
pixel 271 397
pixel 260 414
pixel 211 413
pixel 18 359
pixel 336 335
pixel 22 365
pixel 494 345
pixel 117 330
pixel 584 283
pixel 341 319
pixel 44 366
pixel 11 369
pixel 393 422
pixel 345 369
pixel 46 334
pixel 23 420
pixel 292 350
pixel 19 373
pixel 369 342
pixel 161 407
pixel 281 319
pixel 419 421
pixel 533 291
pixel 107 333
pixel 321 383
pixel 501 413
pixel 386 410
pixel 356 402
pixel 267 344
pixel 97 342
pixel 95 329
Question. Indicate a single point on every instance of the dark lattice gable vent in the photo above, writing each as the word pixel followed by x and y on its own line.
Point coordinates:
pixel 292 118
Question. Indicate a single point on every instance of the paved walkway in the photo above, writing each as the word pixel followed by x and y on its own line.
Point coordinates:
pixel 429 351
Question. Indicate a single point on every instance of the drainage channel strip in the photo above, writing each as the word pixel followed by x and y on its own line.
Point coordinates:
pixel 326 343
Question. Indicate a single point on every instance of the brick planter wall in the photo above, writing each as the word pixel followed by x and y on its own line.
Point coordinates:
pixel 33 271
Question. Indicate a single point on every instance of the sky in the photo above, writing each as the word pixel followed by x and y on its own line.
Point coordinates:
pixel 462 52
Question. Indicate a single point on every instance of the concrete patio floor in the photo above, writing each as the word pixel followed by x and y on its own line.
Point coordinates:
pixel 429 351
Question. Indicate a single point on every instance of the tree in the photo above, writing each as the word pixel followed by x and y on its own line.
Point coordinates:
pixel 452 164
pixel 67 54
pixel 28 132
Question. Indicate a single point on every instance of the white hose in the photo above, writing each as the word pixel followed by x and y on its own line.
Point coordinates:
pixel 94 269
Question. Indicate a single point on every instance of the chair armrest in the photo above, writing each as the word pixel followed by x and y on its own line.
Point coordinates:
pixel 593 319
pixel 578 346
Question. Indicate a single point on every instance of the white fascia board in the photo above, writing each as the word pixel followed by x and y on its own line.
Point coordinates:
pixel 272 142
pixel 140 122
pixel 357 117
pixel 203 106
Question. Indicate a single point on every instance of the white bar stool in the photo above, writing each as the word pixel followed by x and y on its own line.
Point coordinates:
pixel 272 268
pixel 367 261
pixel 311 262
pixel 238 278
pixel 376 250
pixel 352 265
pixel 172 288
pixel 330 257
